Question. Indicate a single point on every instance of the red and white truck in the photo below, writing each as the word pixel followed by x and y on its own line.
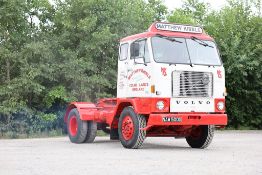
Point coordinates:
pixel 171 83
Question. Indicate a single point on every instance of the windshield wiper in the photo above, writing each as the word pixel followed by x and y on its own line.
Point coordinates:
pixel 201 42
pixel 168 38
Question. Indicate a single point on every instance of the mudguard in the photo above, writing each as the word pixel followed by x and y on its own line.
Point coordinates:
pixel 86 110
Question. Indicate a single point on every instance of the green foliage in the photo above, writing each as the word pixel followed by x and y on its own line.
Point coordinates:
pixel 57 93
pixel 51 55
pixel 179 16
pixel 158 10
pixel 193 12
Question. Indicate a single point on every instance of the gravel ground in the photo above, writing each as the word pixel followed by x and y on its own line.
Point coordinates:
pixel 231 152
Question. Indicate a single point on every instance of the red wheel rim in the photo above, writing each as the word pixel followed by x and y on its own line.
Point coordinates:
pixel 127 128
pixel 73 126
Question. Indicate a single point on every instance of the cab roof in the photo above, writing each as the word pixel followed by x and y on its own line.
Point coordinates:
pixel 172 30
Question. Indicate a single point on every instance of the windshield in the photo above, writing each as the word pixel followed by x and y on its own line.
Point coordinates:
pixel 185 51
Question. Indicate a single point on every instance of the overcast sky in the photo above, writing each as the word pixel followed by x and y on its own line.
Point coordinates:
pixel 215 4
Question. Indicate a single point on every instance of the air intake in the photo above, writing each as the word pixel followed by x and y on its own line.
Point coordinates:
pixel 192 84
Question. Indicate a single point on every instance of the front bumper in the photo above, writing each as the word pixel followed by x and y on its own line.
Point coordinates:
pixel 186 119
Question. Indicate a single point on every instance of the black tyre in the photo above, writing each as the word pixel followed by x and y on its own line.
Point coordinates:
pixel 201 137
pixel 65 128
pixel 114 134
pixel 91 132
pixel 77 128
pixel 129 126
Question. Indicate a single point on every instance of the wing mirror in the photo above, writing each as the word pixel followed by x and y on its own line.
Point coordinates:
pixel 138 51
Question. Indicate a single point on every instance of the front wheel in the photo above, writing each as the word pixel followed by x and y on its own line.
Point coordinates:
pixel 201 136
pixel 129 126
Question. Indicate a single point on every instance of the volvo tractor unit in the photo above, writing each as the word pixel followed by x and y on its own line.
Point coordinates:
pixel 171 83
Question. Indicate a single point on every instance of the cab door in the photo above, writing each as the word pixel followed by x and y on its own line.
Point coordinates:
pixel 122 69
pixel 138 70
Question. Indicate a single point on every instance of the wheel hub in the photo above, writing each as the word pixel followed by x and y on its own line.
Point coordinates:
pixel 127 128
pixel 73 126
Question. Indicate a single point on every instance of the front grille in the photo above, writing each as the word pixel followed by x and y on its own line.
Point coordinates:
pixel 192 84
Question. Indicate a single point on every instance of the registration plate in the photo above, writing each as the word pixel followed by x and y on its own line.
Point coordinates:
pixel 172 119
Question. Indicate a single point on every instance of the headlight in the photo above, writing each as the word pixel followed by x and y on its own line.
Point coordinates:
pixel 160 105
pixel 220 105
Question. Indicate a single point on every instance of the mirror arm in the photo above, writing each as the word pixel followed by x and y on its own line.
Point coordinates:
pixel 144 58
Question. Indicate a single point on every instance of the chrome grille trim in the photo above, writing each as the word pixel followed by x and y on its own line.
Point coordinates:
pixel 192 84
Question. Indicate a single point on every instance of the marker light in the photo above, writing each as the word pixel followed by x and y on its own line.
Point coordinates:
pixel 160 105
pixel 225 93
pixel 153 89
pixel 220 105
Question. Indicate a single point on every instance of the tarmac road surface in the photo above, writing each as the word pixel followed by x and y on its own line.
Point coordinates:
pixel 231 152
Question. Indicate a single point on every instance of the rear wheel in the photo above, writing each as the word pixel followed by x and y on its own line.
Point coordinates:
pixel 129 126
pixel 201 136
pixel 91 132
pixel 77 128
pixel 80 131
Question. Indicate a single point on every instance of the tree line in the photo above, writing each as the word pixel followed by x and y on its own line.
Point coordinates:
pixel 54 52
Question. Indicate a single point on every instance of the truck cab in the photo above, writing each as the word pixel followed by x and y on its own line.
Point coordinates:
pixel 171 83
pixel 179 64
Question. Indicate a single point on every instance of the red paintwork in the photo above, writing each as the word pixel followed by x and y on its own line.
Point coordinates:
pixel 73 126
pixel 188 119
pixel 152 31
pixel 219 73
pixel 108 111
pixel 80 108
pixel 127 128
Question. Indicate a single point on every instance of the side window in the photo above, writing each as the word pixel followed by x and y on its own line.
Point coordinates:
pixel 139 49
pixel 123 52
